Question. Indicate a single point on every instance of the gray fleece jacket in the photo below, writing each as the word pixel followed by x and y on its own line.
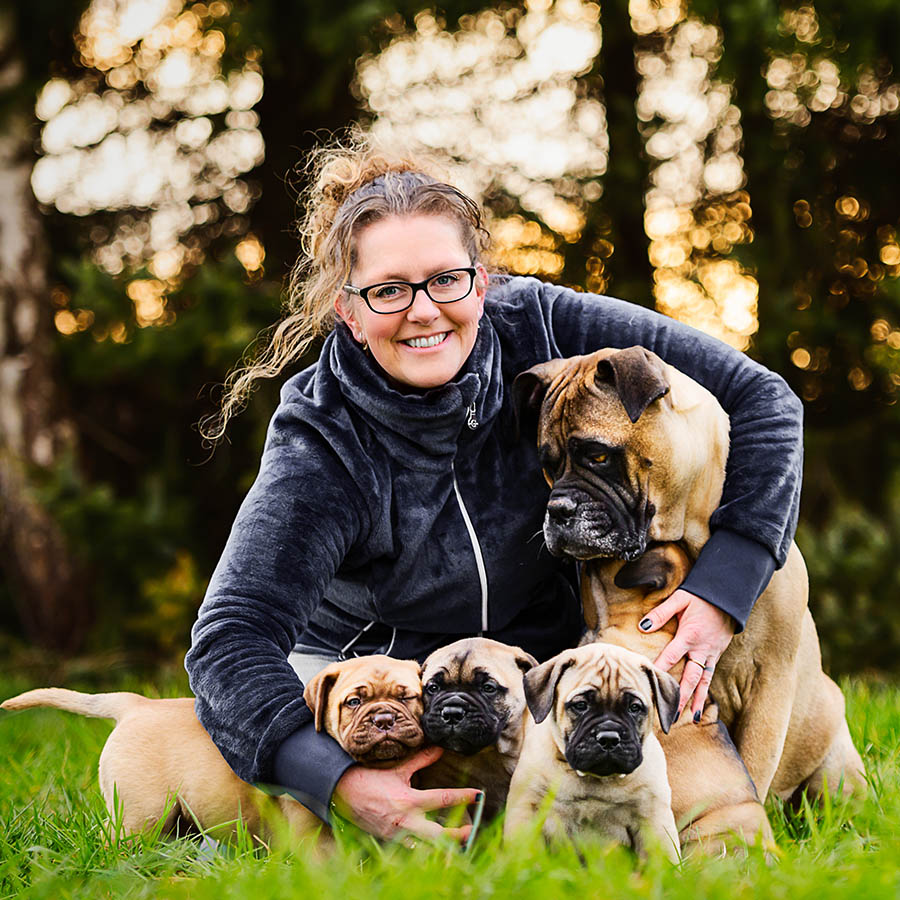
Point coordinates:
pixel 390 522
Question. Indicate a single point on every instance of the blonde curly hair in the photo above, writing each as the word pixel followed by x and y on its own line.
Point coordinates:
pixel 351 183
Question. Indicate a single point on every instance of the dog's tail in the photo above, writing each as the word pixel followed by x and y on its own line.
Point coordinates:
pixel 102 706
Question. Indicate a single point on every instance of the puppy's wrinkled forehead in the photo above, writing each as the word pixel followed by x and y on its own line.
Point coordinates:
pixel 609 676
pixel 376 682
pixel 463 667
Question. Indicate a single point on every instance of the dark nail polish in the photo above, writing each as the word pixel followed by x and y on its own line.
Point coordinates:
pixel 697 717
pixel 645 624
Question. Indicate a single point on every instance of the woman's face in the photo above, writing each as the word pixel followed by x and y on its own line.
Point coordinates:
pixel 413 248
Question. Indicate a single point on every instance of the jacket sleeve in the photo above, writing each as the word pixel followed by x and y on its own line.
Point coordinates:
pixel 761 495
pixel 296 525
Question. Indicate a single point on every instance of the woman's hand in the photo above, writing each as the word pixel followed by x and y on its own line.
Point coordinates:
pixel 704 631
pixel 382 802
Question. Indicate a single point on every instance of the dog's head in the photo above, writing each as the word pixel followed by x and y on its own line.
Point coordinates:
pixel 624 441
pixel 372 706
pixel 601 700
pixel 474 695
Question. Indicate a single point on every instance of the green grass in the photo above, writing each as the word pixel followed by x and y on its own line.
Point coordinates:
pixel 54 840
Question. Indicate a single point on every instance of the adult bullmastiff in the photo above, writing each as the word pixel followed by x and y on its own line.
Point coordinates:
pixel 591 763
pixel 159 751
pixel 475 708
pixel 634 452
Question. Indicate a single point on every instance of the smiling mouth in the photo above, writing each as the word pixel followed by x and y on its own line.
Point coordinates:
pixel 423 343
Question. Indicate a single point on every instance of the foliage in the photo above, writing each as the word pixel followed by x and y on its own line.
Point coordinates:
pixel 53 839
pixel 149 507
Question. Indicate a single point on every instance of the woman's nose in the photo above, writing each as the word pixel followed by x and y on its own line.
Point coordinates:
pixel 423 308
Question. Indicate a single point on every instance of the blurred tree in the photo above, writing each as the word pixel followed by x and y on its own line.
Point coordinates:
pixel 45 577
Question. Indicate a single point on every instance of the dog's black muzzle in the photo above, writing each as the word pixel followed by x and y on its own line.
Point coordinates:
pixel 588 524
pixel 604 745
pixel 455 720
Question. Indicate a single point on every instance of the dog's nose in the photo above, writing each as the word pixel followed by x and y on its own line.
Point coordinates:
pixel 383 721
pixel 608 740
pixel 561 507
pixel 453 713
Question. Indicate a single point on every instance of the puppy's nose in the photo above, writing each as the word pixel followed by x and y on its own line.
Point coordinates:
pixel 383 721
pixel 608 740
pixel 561 507
pixel 453 713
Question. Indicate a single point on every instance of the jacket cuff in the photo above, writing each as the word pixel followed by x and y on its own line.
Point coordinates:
pixel 308 765
pixel 731 572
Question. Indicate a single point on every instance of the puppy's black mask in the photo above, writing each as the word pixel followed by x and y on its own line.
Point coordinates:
pixel 604 737
pixel 464 716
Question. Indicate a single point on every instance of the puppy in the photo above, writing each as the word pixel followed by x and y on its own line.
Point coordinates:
pixel 158 749
pixel 591 760
pixel 714 799
pixel 475 709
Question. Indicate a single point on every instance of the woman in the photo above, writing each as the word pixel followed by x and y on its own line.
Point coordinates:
pixel 396 510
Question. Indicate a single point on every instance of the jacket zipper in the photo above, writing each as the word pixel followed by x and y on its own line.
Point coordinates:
pixel 476 549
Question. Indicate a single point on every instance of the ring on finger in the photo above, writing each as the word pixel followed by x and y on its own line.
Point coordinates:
pixel 697 662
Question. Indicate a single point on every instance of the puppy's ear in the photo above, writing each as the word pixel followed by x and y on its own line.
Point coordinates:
pixel 665 695
pixel 528 391
pixel 525 661
pixel 317 690
pixel 664 566
pixel 638 376
pixel 540 685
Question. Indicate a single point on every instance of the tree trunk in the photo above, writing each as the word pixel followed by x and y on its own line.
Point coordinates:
pixel 42 576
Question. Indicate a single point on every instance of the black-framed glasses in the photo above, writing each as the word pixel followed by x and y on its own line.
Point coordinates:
pixel 396 296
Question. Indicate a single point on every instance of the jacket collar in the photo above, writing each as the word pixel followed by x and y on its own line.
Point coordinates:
pixel 422 428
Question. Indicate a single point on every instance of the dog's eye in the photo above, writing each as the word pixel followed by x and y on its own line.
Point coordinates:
pixel 579 706
pixel 635 707
pixel 489 688
pixel 432 687
pixel 601 458
pixel 353 701
pixel 410 698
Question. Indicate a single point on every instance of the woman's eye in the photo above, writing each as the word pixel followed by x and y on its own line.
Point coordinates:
pixel 353 701
pixel 444 280
pixel 386 292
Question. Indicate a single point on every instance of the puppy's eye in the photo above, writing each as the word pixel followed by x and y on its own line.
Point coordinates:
pixel 635 707
pixel 432 687
pixel 353 701
pixel 489 688
pixel 601 459
pixel 579 706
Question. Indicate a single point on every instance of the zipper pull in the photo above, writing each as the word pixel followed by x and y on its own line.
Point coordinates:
pixel 471 421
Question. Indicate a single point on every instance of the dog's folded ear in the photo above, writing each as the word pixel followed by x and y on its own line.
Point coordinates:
pixel 665 691
pixel 540 685
pixel 525 661
pixel 317 690
pixel 528 391
pixel 638 377
pixel 661 566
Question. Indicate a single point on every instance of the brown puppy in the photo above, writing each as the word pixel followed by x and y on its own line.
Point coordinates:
pixel 635 452
pixel 592 752
pixel 713 797
pixel 475 709
pixel 159 750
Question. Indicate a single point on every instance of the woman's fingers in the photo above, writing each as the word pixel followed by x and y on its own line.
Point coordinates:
pixel 701 691
pixel 659 615
pixel 418 827
pixel 441 798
